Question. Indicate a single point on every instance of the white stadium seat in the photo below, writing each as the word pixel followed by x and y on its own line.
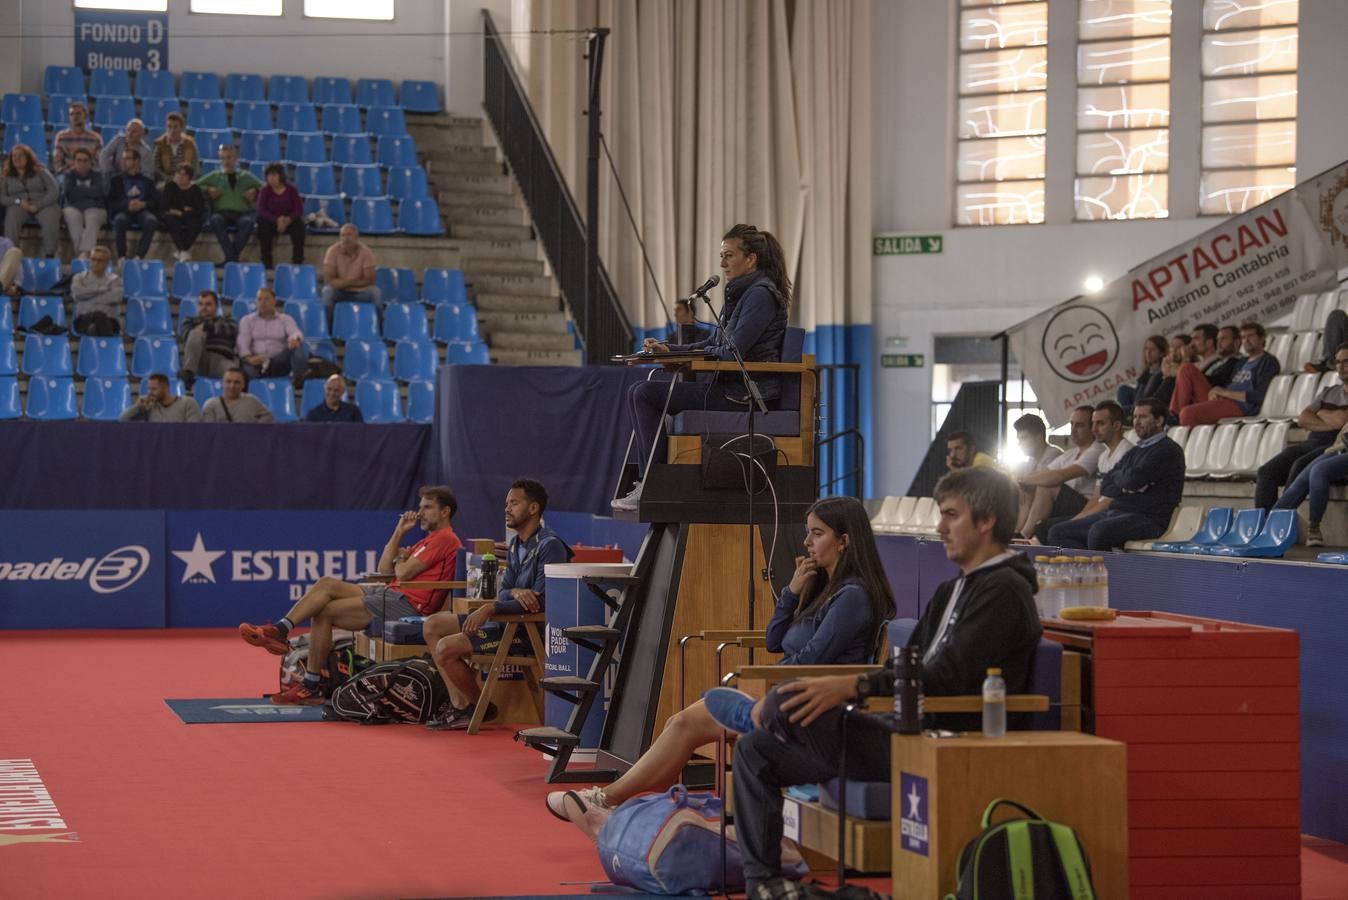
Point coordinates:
pixel 1306 348
pixel 1218 457
pixel 1323 307
pixel 1343 299
pixel 1302 393
pixel 1244 454
pixel 887 516
pixel 1196 450
pixel 1179 434
pixel 1184 524
pixel 921 510
pixel 904 514
pixel 1280 347
pixel 1303 314
pixel 1328 380
pixel 1275 399
pixel 1272 442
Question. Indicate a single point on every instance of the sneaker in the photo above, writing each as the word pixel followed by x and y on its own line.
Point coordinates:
pixel 631 502
pixel 264 636
pixel 782 889
pixel 460 719
pixel 730 708
pixel 582 800
pixel 300 694
pixel 1313 536
pixel 446 711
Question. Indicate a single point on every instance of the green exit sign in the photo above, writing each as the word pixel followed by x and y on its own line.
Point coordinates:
pixel 903 360
pixel 906 244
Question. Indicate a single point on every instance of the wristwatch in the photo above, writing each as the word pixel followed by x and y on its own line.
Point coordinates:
pixel 863 686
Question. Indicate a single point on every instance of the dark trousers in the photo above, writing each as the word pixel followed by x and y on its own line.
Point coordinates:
pixel 184 230
pixel 646 400
pixel 1336 332
pixel 266 239
pixel 782 754
pixel 144 220
pixel 1286 466
pixel 1065 505
pixel 290 361
pixel 241 223
pixel 1107 530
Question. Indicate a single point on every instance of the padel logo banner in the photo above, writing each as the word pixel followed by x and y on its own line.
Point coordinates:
pixel 116 570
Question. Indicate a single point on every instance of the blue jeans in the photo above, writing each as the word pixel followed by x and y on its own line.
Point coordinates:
pixel 144 220
pixel 290 361
pixel 1314 481
pixel 646 399
pixel 242 225
pixel 1107 530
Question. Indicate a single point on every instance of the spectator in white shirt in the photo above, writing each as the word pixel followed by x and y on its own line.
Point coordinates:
pixel 270 344
pixel 1107 427
pixel 1060 489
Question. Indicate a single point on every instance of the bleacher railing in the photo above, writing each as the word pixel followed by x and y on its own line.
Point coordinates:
pixel 600 320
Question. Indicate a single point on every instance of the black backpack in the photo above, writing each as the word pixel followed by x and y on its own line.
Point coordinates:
pixel 1031 852
pixel 409 691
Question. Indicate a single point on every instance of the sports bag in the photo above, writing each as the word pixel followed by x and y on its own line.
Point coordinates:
pixel 670 843
pixel 409 690
pixel 1022 858
pixel 343 661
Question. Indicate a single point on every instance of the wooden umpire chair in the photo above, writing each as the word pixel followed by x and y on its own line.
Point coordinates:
pixel 494 663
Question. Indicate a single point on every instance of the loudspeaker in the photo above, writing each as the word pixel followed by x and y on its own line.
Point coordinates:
pixel 732 461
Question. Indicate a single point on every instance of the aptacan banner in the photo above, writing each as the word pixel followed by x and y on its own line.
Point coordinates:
pixel 1251 267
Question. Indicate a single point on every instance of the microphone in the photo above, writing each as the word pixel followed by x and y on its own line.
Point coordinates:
pixel 707 285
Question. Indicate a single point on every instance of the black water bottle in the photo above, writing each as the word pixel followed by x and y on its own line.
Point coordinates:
pixel 488 581
pixel 908 691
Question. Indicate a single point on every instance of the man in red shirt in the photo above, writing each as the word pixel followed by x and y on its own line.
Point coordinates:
pixel 333 603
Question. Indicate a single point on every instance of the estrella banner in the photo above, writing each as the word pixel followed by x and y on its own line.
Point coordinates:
pixel 1252 266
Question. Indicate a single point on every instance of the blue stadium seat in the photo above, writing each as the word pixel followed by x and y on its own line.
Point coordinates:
pixel 199 86
pixel 101 357
pixel 1215 524
pixel 386 279
pixel 361 181
pixel 311 317
pixel 305 148
pixel 415 360
pixel 375 92
pixel 18 108
pixel 331 206
pixel 1277 536
pixel 373 215
pixel 421 402
pixel 1329 557
pixel 243 280
pixel 420 215
pixel 9 398
pixel 77 266
pixel 355 322
pixel 154 354
pixel 58 108
pixel 109 83
pixel 340 119
pixel 191 278
pixel 315 178
pixel 52 398
pixel 6 317
pixel 396 150
pixel 241 306
pixel 443 286
pixel 260 148
pixel 311 395
pixel 323 348
pixel 365 359
pixel 466 353
pixel 9 359
pixel 47 354
pixel 379 401
pixel 204 389
pixel 38 274
pixel 351 150
pixel 155 83
pixel 296 117
pixel 32 135
pixel 287 89
pixel 251 116
pixel 33 308
pixel 331 90
pixel 148 317
pixel 105 398
pixel 405 322
pixel 1244 528
pixel 407 182
pixel 144 278
pixel 187 309
pixel 277 395
pixel 455 322
pixel 114 112
pixel 296 282
pixel 245 88
pixel 209 141
pixel 63 80
pixel 385 120
pixel 419 97
pixel 206 114
pixel 156 109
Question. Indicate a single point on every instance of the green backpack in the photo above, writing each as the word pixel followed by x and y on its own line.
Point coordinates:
pixel 1023 859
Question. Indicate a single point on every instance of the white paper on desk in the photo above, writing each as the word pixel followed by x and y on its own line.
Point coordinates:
pixel 790 819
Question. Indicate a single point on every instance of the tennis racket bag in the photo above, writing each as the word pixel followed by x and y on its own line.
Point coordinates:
pixel 408 690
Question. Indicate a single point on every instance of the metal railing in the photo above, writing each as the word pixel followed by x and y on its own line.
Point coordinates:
pixel 600 319
pixel 839 426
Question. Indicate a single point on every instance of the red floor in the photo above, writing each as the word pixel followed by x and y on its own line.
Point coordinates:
pixel 286 810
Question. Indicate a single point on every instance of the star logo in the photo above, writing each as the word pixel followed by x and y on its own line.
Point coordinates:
pixel 913 800
pixel 199 562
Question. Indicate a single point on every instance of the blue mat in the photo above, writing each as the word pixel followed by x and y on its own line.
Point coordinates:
pixel 245 709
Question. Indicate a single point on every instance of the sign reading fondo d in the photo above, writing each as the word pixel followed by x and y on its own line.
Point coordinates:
pixel 121 40
pixel 1251 267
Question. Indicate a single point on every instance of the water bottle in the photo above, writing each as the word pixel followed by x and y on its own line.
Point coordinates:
pixel 1101 582
pixel 908 690
pixel 994 704
pixel 488 582
pixel 1043 600
pixel 474 578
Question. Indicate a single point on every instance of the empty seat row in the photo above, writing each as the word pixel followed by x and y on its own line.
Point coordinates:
pixel 1231 449
pixel 322 179
pixel 1311 310
pixel 907 515
pixel 1289 394
pixel 49 356
pixel 1231 533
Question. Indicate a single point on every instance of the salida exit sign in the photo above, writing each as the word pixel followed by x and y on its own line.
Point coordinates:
pixel 906 244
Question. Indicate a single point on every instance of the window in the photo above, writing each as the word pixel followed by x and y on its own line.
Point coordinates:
pixel 1003 73
pixel 1123 109
pixel 124 5
pixel 349 9
pixel 237 7
pixel 1249 64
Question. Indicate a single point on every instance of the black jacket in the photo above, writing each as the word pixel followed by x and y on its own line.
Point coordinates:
pixel 754 318
pixel 1148 480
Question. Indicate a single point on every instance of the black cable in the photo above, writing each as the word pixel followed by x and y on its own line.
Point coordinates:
pixel 645 257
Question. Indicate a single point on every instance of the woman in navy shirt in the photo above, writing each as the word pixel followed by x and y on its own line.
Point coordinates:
pixel 831 613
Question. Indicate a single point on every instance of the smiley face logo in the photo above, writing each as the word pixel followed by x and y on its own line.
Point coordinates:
pixel 1080 343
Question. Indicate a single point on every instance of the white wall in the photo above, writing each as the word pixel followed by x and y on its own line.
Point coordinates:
pixel 990 278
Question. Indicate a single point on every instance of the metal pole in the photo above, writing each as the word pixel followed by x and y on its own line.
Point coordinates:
pixel 594 55
pixel 1004 406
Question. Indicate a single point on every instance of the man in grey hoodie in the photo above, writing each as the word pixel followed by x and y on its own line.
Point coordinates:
pixel 159 405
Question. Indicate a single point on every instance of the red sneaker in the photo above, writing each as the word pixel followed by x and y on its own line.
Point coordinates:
pixel 299 695
pixel 264 636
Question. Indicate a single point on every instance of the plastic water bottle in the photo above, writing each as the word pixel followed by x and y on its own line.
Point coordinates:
pixel 908 690
pixel 488 576
pixel 1043 601
pixel 1101 582
pixel 994 704
pixel 474 578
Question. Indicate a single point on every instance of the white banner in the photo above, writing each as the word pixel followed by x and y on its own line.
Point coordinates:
pixel 1250 267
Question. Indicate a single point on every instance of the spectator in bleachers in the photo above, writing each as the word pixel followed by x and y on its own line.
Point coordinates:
pixel 173 148
pixel 348 272
pixel 1330 467
pixel 233 405
pixel 687 328
pixel 961 452
pixel 97 292
pixel 1032 438
pixel 1335 334
pixel 158 404
pixel 131 137
pixel 131 203
pixel 1322 419
pixel 334 407
pixel 1108 427
pixel 28 192
pixel 73 138
pixel 233 193
pixel 1182 346
pixel 279 211
pixel 1216 364
pixel 1154 350
pixel 1062 488
pixel 183 206
pixel 1244 395
pixel 1138 495
pixel 11 264
pixel 84 202
pixel 209 341
pixel 270 344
